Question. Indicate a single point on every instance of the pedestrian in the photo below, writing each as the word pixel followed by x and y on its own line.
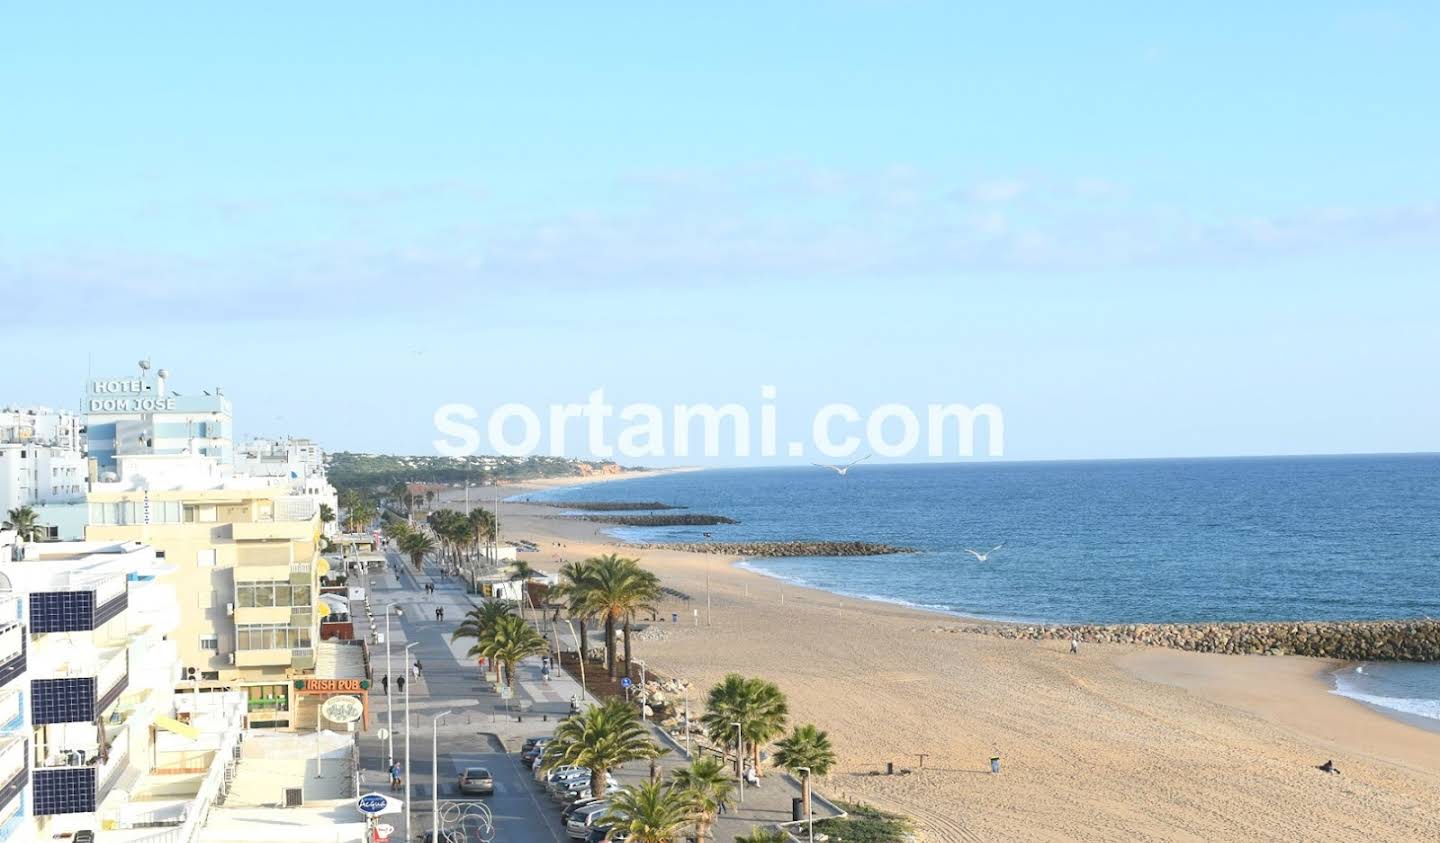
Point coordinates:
pixel 437 613
pixel 400 684
pixel 419 668
pixel 385 683
pixel 1074 646
pixel 442 613
pixel 414 671
pixel 396 781
pixel 995 764
pixel 751 777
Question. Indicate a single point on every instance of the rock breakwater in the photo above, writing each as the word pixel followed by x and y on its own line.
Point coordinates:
pixel 1411 640
pixel 779 549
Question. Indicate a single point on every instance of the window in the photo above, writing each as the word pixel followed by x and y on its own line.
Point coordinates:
pixel 271 636
pixel 210 642
pixel 205 558
pixel 210 675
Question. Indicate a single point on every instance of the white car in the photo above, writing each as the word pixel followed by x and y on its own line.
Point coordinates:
pixel 580 822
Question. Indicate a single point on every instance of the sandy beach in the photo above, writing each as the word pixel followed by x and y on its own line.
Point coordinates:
pixel 1117 743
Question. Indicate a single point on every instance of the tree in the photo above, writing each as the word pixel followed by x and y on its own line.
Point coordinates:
pixel 26 524
pixel 649 812
pixel 615 589
pixel 400 493
pixel 480 620
pixel 521 572
pixel 807 747
pixel 395 529
pixel 601 738
pixel 327 515
pixel 762 834
pixel 756 704
pixel 573 591
pixel 709 787
pixel 482 522
pixel 508 641
pixel 417 546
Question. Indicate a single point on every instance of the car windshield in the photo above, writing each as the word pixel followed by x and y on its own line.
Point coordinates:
pixel 477 773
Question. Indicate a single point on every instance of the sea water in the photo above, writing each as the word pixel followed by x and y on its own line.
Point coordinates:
pixel 1293 538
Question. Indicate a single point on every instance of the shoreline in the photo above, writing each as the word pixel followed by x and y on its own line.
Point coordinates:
pixel 1122 742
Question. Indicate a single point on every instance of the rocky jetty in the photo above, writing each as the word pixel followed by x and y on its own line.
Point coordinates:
pixel 1413 640
pixel 610 506
pixel 778 549
pixel 687 519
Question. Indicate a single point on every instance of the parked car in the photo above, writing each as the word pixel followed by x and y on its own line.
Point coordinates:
pixel 580 822
pixel 582 801
pixel 545 775
pixel 600 833
pixel 533 749
pixel 476 780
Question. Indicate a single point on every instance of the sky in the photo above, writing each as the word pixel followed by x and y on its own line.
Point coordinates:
pixel 1137 229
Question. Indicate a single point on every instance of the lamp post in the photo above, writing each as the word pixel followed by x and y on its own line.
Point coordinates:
pixel 740 759
pixel 389 709
pixel 435 779
pixel 809 811
pixel 407 744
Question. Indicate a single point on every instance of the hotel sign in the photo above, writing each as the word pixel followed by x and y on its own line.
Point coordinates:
pixel 125 395
pixel 331 686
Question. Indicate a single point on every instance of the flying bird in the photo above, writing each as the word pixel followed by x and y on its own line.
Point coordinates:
pixel 842 470
pixel 983 557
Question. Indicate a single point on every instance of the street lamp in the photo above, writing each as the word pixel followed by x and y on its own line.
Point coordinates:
pixel 740 759
pixel 434 779
pixel 389 709
pixel 809 811
pixel 407 742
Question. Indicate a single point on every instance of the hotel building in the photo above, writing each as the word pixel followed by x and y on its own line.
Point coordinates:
pixel 141 414
pixel 42 467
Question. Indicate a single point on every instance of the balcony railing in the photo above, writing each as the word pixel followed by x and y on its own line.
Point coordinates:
pixel 12 714
pixel 12 653
pixel 79 607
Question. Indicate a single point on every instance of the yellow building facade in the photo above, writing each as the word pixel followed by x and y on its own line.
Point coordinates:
pixel 245 564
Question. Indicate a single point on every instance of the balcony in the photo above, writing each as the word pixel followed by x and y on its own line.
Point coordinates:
pixel 12 653
pixel 12 712
pixel 81 607
pixel 14 767
pixel 82 687
pixel 75 779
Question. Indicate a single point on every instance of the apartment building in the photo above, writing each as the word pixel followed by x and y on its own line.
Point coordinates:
pixel 43 467
pixel 243 555
pixel 87 677
pixel 298 464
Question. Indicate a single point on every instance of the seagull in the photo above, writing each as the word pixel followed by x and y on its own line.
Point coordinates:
pixel 842 470
pixel 984 557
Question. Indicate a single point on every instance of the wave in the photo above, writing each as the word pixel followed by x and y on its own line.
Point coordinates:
pixel 1347 686
pixel 939 608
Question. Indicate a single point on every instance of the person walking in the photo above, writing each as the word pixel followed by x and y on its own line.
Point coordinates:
pixel 385 683
pixel 400 684
pixel 1074 646
pixel 396 781
pixel 419 668
pixel 442 613
pixel 414 671
pixel 995 764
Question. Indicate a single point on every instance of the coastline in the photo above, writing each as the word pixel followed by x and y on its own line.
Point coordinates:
pixel 1122 742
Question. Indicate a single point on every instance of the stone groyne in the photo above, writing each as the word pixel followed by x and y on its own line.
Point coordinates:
pixel 1412 640
pixel 688 519
pixel 779 549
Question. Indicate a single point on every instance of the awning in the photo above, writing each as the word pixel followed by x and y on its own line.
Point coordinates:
pixel 184 730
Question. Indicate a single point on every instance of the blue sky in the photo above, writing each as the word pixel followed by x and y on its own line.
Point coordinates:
pixel 1139 230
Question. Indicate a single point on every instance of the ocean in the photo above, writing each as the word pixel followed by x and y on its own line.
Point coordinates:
pixel 1292 538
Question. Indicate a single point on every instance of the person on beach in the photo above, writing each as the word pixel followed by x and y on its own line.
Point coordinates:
pixel 995 764
pixel 1074 646
pixel 1329 767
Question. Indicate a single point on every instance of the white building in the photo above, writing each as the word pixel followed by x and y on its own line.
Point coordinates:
pixel 141 414
pixel 42 466
pixel 87 677
pixel 298 464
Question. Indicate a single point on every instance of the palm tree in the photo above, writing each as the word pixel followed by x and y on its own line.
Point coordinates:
pixel 807 747
pixel 482 522
pixel 601 738
pixel 762 834
pixel 709 787
pixel 756 704
pixel 649 812
pixel 521 572
pixel 417 545
pixel 573 591
pixel 399 492
pixel 327 515
pixel 480 620
pixel 615 589
pixel 25 523
pixel 395 529
pixel 508 641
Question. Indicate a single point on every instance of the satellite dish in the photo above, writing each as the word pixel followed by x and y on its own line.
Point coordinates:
pixel 144 365
pixel 164 373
